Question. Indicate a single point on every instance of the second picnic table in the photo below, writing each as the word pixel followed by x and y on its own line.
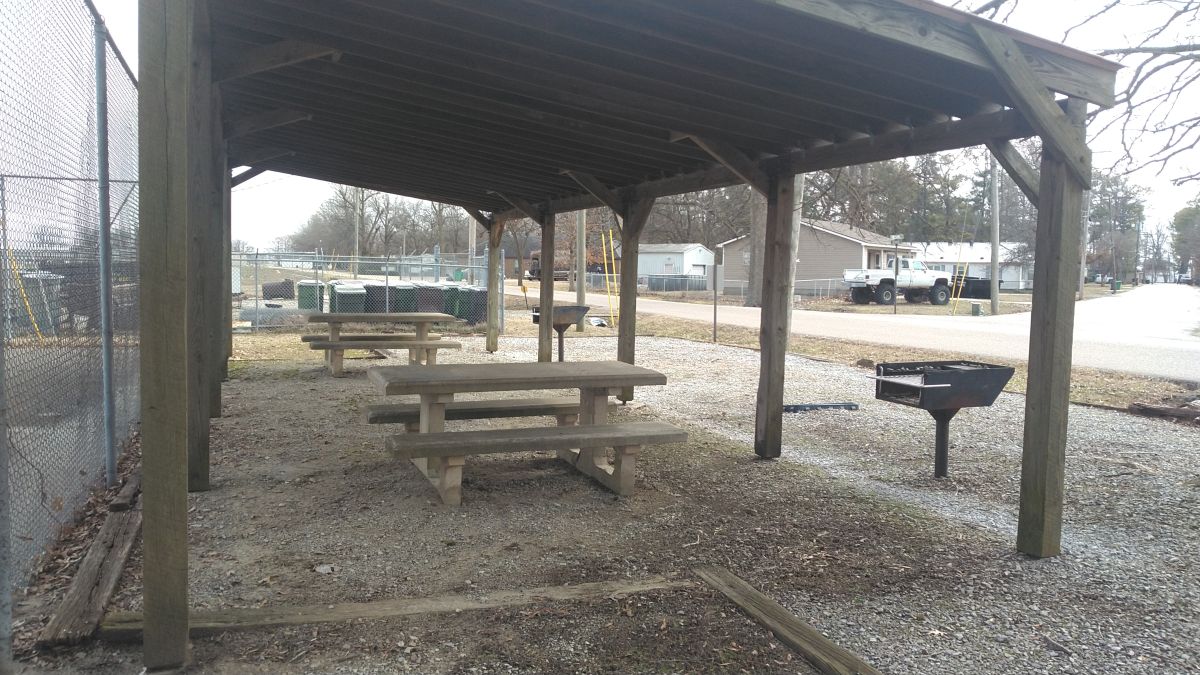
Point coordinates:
pixel 440 455
pixel 422 345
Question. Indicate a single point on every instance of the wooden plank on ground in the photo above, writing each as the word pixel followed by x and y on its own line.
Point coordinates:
pixel 825 655
pixel 81 610
pixel 129 492
pixel 1186 413
pixel 127 626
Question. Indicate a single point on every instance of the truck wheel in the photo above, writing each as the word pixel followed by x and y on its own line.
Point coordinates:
pixel 860 296
pixel 913 296
pixel 885 294
pixel 939 294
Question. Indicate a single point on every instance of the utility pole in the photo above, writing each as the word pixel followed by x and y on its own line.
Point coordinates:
pixel 580 262
pixel 358 205
pixel 1083 241
pixel 471 249
pixel 995 285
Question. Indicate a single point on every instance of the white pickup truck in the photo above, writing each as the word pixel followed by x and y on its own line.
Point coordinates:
pixel 916 282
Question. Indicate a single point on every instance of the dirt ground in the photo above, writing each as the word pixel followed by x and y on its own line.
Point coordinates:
pixel 307 509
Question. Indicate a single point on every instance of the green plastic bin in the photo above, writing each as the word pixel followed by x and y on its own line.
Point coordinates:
pixel 310 295
pixel 40 302
pixel 452 299
pixel 403 297
pixel 347 297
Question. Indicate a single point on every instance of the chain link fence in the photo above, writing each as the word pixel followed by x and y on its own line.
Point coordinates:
pixel 52 387
pixel 279 290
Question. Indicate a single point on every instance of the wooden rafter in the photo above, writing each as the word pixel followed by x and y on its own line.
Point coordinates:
pixel 527 210
pixel 246 175
pixel 597 189
pixel 929 26
pixel 736 161
pixel 262 121
pixel 1005 124
pixel 1034 100
pixel 272 56
pixel 1025 176
pixel 478 217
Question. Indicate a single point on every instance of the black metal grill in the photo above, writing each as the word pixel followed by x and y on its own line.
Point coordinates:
pixel 943 388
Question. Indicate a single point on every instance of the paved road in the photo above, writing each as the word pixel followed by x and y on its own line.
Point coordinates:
pixel 1146 331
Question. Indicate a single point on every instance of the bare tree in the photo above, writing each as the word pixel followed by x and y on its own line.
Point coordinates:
pixel 1155 116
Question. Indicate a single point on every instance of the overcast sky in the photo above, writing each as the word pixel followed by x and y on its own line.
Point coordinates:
pixel 273 205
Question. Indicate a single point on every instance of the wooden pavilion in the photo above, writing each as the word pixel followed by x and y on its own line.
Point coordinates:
pixel 528 108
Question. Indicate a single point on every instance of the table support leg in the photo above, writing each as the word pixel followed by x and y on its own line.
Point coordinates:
pixel 422 335
pixel 568 456
pixel 335 362
pixel 593 409
pixel 445 473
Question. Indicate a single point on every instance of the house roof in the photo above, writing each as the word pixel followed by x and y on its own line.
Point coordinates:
pixel 968 252
pixel 489 104
pixel 669 248
pixel 853 233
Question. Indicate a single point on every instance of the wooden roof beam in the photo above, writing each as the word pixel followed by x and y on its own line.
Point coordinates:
pixel 597 189
pixel 272 56
pixel 526 209
pixel 268 119
pixel 479 217
pixel 736 161
pixel 951 135
pixel 930 27
pixel 1025 176
pixel 246 175
pixel 1032 97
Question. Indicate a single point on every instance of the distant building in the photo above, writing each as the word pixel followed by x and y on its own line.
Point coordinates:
pixel 688 259
pixel 825 249
pixel 975 260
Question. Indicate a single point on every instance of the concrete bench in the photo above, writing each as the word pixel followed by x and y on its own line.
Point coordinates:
pixel 418 350
pixel 441 455
pixel 409 414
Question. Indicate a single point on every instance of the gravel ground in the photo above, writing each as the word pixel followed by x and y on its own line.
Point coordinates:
pixel 850 531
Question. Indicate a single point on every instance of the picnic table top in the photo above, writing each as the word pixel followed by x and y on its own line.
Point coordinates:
pixel 475 377
pixel 393 317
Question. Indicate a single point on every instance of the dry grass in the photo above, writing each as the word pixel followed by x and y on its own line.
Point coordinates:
pixel 1088 385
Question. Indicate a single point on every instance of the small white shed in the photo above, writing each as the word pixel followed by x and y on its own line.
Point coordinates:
pixel 689 259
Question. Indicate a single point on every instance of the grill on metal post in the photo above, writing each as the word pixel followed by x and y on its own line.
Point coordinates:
pixel 943 388
pixel 564 317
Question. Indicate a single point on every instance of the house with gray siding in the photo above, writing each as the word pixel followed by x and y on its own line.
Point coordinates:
pixel 824 250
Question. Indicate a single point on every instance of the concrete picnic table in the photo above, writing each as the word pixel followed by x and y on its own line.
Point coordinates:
pixel 596 381
pixel 418 351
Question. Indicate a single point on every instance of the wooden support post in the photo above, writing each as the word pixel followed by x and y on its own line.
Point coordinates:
pixel 1060 210
pixel 774 330
pixel 215 259
pixel 227 269
pixel 495 285
pixel 546 299
pixel 173 39
pixel 199 156
pixel 633 220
